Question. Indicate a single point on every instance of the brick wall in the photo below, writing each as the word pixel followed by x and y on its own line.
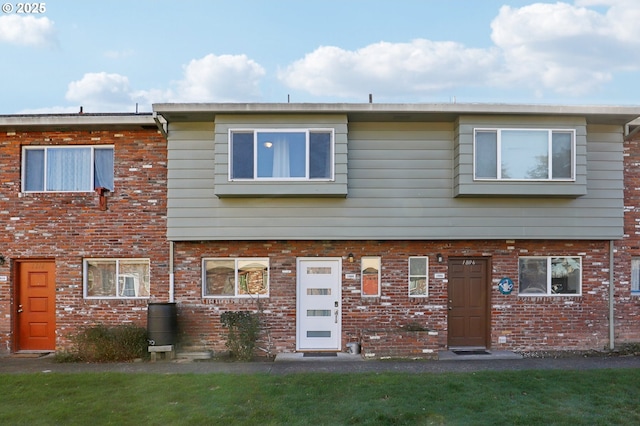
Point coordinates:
pixel 397 343
pixel 524 323
pixel 68 227
pixel 627 307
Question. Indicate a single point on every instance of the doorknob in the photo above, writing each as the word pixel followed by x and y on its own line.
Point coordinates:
pixel 19 308
pixel 336 316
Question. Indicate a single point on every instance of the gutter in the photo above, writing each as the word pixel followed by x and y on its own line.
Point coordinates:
pixel 162 124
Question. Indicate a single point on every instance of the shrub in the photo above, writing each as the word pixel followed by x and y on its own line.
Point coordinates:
pixel 101 343
pixel 244 328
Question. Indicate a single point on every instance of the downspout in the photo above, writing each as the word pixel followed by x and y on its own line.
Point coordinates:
pixel 611 298
pixel 163 127
pixel 171 274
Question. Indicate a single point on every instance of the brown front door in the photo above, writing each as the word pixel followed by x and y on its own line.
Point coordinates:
pixel 35 306
pixel 468 293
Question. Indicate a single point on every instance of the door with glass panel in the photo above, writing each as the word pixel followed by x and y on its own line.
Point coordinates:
pixel 319 318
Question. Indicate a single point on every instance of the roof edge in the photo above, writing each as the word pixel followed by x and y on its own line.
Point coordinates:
pixel 76 120
pixel 594 113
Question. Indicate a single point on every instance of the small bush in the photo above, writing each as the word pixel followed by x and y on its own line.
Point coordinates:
pixel 244 328
pixel 101 343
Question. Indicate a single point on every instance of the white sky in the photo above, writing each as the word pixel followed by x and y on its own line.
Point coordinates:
pixel 110 55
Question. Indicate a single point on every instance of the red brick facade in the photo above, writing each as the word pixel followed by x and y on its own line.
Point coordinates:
pixel 69 227
pixel 517 323
pixel 627 306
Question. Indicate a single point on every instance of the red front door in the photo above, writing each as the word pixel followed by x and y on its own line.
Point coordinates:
pixel 35 306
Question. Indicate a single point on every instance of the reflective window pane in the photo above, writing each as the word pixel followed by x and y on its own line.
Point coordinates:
pixel 242 155
pixel 220 277
pixel 282 154
pixel 133 276
pixel 252 277
pixel 418 270
pixel 34 173
pixel 562 155
pixel 100 278
pixel 486 155
pixel 320 158
pixel 525 154
pixel 565 275
pixel 532 275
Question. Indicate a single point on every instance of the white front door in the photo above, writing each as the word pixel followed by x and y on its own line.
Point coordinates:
pixel 319 304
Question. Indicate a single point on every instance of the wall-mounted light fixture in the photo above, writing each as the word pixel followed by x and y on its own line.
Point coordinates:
pixel 350 258
pixel 439 258
pixel 3 259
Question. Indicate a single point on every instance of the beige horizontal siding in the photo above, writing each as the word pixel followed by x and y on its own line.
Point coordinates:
pixel 400 179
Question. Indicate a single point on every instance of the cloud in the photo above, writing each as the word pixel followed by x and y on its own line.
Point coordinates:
pixel 559 48
pixel 27 31
pixel 101 92
pixel 224 78
pixel 566 49
pixel 389 69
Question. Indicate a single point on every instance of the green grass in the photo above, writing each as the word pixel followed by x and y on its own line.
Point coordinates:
pixel 595 397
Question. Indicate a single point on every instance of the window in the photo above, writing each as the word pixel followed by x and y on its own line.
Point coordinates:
pixel 281 154
pixel 370 274
pixel 116 278
pixel 635 275
pixel 235 277
pixel 517 154
pixel 67 169
pixel 418 271
pixel 550 276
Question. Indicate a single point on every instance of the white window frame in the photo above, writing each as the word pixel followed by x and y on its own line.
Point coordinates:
pixel 117 276
pixel 306 131
pixel 425 276
pixel 549 283
pixel 236 261
pixel 549 131
pixel 635 276
pixel 46 148
pixel 364 260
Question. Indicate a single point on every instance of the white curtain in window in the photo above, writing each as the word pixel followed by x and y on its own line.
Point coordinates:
pixel 281 161
pixel 69 169
pixel 103 168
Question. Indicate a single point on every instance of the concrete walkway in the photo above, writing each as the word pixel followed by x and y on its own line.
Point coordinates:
pixel 294 363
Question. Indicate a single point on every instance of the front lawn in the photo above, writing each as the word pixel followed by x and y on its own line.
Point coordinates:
pixel 595 397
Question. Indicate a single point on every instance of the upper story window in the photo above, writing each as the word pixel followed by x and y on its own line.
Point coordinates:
pixel 67 168
pixel 524 154
pixel 289 154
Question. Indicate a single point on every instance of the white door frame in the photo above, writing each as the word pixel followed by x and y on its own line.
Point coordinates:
pixel 332 302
